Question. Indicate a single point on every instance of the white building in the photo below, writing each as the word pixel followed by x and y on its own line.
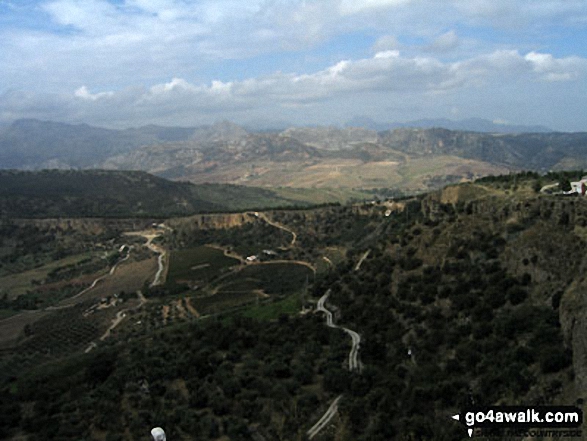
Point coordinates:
pixel 579 187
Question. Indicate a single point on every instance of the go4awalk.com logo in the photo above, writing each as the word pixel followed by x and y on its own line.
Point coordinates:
pixel 520 418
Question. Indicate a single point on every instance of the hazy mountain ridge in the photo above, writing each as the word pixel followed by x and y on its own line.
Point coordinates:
pixel 468 125
pixel 530 151
pixel 32 144
pixel 295 157
pixel 332 138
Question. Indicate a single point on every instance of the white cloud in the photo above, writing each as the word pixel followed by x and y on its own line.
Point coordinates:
pixel 385 43
pixel 353 6
pixel 444 43
pixel 89 15
pixel 146 40
pixel 387 54
pixel 167 58
pixel 85 94
pixel 552 69
pixel 388 75
pixel 174 84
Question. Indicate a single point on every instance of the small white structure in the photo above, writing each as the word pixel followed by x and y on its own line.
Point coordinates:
pixel 158 434
pixel 579 187
pixel 251 258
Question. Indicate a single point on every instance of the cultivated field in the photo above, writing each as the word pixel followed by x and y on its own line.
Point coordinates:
pixel 16 284
pixel 272 278
pixel 128 277
pixel 223 301
pixel 406 174
pixel 198 264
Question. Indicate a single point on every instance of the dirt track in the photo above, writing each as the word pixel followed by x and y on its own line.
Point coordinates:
pixel 278 225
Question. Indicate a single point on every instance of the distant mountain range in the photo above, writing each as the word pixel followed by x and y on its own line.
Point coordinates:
pixel 411 159
pixel 30 143
pixel 468 125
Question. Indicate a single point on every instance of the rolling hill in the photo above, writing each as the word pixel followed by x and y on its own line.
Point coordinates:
pixel 101 193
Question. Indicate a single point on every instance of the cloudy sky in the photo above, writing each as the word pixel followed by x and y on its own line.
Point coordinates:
pixel 120 63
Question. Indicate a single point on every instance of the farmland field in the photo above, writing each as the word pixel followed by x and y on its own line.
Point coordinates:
pixel 280 278
pixel 241 284
pixel 128 277
pixel 17 284
pixel 272 310
pixel 200 263
pixel 222 301
pixel 61 332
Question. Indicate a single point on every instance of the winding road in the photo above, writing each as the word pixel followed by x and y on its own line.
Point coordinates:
pixel 66 303
pixel 354 365
pixel 160 260
pixel 120 315
pixel 95 282
pixel 150 236
pixel 277 225
pixel 156 281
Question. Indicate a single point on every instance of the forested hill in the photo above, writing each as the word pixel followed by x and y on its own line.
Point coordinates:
pixel 472 295
pixel 97 193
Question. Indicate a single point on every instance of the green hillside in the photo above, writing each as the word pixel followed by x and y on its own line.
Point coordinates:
pixel 99 193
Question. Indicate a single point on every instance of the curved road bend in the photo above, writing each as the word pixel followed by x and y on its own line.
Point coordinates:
pixel 354 365
pixel 67 305
pixel 120 315
pixel 150 236
pixel 162 253
pixel 94 283
pixel 277 225
pixel 328 261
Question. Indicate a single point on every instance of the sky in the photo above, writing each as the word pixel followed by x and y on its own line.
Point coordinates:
pixel 123 63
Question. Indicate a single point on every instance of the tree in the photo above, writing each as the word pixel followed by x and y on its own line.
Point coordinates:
pixel 564 184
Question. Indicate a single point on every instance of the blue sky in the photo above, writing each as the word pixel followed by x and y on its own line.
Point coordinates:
pixel 177 62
